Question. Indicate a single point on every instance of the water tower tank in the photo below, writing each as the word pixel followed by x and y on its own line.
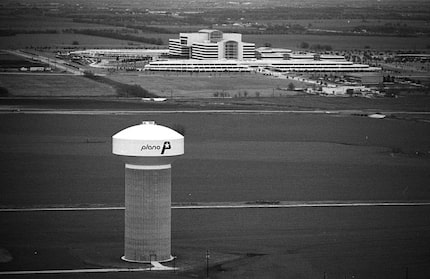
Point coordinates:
pixel 148 150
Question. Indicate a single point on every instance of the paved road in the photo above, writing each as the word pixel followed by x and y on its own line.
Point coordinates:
pixel 6 109
pixel 56 63
pixel 233 205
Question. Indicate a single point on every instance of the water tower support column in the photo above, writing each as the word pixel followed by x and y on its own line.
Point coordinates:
pixel 147 213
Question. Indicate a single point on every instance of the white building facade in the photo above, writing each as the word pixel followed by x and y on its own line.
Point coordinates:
pixel 208 44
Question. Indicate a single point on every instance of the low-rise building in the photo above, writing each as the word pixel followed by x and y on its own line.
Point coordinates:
pixel 372 78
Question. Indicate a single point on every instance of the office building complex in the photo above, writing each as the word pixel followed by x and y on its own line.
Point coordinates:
pixel 211 45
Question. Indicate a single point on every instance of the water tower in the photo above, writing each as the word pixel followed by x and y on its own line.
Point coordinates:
pixel 148 150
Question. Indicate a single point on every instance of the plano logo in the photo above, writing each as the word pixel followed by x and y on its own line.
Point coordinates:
pixel 166 146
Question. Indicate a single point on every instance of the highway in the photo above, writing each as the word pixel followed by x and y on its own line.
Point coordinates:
pixel 55 63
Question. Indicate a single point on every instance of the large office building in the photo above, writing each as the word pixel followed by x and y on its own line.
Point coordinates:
pixel 210 44
pixel 214 51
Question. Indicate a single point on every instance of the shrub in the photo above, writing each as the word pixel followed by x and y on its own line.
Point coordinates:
pixel 123 90
pixel 291 86
pixel 304 45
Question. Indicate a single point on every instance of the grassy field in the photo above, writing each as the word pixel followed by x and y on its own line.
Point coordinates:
pixel 63 41
pixel 366 243
pixel 228 158
pixel 45 23
pixel 53 85
pixel 207 85
pixel 341 42
pixel 345 24
pixel 291 41
pixel 66 160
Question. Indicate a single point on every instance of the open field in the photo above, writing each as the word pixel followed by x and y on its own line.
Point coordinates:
pixel 414 104
pixel 45 23
pixel 206 85
pixel 62 41
pixel 366 243
pixel 66 160
pixel 291 41
pixel 53 85
pixel 238 157
pixel 346 24
pixel 341 42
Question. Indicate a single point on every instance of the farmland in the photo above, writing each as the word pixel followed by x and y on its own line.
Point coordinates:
pixel 234 156
pixel 61 41
pixel 44 23
pixel 292 41
pixel 53 85
pixel 341 42
pixel 206 85
pixel 228 157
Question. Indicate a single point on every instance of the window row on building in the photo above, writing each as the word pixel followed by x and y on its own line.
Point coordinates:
pixel 249 65
pixel 196 66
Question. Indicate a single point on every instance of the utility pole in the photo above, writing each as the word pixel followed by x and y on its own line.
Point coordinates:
pixel 174 263
pixel 207 263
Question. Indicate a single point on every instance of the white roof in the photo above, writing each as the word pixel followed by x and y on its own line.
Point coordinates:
pixel 148 130
pixel 148 140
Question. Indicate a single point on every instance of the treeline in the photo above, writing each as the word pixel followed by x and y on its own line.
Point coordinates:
pixel 315 13
pixel 143 28
pixel 119 35
pixel 393 29
pixel 122 34
pixel 143 21
pixel 13 32
pixel 316 47
pixel 123 90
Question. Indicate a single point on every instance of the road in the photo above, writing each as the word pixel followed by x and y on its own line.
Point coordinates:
pixel 55 63
pixel 100 111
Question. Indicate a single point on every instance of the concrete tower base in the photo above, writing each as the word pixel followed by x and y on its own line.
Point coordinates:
pixel 147 213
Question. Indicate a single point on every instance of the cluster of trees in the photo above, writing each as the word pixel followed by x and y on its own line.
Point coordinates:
pixel 222 94
pixel 316 47
pixel 13 32
pixel 117 34
pixel 285 29
pixel 141 20
pixel 388 78
pixel 123 90
pixel 389 28
pixel 132 25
